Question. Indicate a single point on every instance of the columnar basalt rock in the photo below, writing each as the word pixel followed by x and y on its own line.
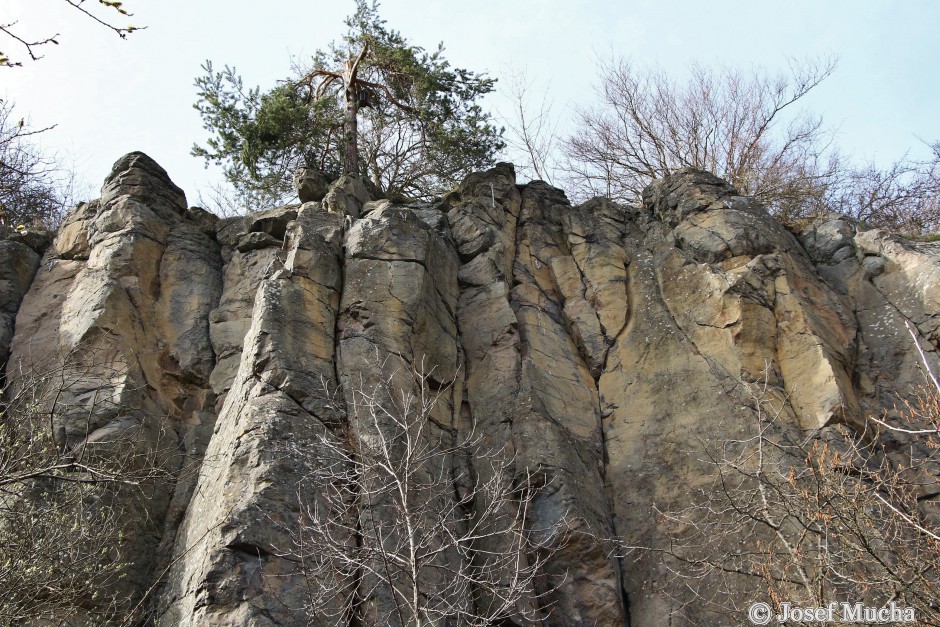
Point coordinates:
pixel 595 347
pixel 20 254
pixel 246 502
pixel 122 297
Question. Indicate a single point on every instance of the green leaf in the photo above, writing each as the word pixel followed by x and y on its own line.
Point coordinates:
pixel 419 131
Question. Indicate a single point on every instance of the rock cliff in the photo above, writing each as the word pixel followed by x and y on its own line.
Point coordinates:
pixel 598 345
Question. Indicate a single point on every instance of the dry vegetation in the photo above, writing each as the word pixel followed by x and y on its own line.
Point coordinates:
pixel 75 467
pixel 837 515
pixel 415 524
pixel 747 127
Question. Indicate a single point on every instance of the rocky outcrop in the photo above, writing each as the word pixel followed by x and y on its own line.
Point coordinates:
pixel 595 346
pixel 20 253
pixel 120 304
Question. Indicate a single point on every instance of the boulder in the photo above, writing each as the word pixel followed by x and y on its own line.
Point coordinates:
pixel 347 195
pixel 311 184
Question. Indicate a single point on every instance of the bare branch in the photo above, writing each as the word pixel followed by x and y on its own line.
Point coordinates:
pixel 73 464
pixel 398 531
pixel 827 517
pixel 30 45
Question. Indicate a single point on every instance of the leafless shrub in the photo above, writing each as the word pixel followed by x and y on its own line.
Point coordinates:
pixel 743 126
pixel 30 183
pixel 417 524
pixel 533 136
pixel 835 516
pixel 227 202
pixel 903 197
pixel 74 463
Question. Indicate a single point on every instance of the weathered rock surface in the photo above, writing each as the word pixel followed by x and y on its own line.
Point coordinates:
pixel 20 254
pixel 596 346
pixel 121 303
pixel 311 184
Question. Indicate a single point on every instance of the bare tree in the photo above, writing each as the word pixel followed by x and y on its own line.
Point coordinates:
pixel 903 197
pixel 67 487
pixel 726 121
pixel 833 516
pixel 743 126
pixel 28 189
pixel 36 189
pixel 533 138
pixel 224 200
pixel 418 525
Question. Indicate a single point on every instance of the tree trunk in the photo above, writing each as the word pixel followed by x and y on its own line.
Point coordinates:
pixel 351 123
pixel 351 134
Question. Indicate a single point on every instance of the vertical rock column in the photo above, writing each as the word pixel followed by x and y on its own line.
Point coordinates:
pixel 19 260
pixel 729 323
pixel 529 388
pixel 397 325
pixel 119 309
pixel 559 431
pixel 246 508
pixel 482 215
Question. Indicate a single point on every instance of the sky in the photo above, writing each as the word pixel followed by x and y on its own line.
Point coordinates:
pixel 108 96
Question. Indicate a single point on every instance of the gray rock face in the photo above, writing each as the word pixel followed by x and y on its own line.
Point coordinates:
pixel 20 254
pixel 347 196
pixel 311 184
pixel 597 345
pixel 123 297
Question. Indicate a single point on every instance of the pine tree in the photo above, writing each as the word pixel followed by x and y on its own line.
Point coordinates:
pixel 372 105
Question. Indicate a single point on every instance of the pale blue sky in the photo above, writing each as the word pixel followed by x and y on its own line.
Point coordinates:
pixel 109 96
